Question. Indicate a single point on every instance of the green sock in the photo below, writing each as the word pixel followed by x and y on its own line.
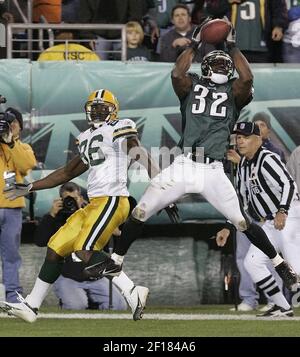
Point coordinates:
pixel 97 257
pixel 50 271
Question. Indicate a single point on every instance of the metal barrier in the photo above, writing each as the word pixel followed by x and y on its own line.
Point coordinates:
pixel 52 41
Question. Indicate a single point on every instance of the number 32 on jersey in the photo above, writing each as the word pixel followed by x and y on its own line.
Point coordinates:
pixel 217 109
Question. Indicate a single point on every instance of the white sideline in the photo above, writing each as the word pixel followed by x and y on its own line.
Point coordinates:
pixel 100 316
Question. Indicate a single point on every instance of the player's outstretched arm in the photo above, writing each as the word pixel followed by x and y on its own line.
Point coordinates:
pixel 242 87
pixel 138 153
pixel 180 80
pixel 72 169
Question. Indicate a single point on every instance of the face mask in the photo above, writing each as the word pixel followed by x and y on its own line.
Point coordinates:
pixel 218 78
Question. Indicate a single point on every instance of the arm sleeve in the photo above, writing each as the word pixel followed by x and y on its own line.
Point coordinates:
pixel 124 129
pixel 81 151
pixel 279 14
pixel 274 171
pixel 167 52
pixel 241 187
pixel 290 165
pixel 23 157
pixel 86 16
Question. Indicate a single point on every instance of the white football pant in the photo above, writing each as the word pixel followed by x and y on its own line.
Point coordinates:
pixel 186 176
pixel 287 242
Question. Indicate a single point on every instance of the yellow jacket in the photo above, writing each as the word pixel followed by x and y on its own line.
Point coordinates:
pixel 19 159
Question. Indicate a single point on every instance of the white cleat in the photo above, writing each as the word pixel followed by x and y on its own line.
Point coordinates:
pixel 243 307
pixel 136 299
pixel 22 309
pixel 267 307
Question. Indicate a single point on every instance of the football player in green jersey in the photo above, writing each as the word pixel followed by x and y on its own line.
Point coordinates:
pixel 210 106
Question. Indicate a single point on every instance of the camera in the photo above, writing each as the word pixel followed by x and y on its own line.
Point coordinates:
pixel 8 117
pixel 69 206
pixel 2 99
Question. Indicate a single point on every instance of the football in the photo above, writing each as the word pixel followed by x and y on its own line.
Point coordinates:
pixel 215 31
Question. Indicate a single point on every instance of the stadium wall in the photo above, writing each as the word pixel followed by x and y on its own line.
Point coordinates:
pixel 52 95
pixel 179 271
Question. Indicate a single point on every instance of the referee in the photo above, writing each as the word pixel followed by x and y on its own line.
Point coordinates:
pixel 269 195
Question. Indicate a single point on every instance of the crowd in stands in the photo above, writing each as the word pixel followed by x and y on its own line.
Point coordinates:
pixel 159 30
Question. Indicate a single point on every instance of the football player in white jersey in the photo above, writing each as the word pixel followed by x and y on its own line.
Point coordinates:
pixel 105 152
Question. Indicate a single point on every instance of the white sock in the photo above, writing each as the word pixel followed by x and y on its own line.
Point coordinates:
pixel 118 259
pixel 271 289
pixel 277 260
pixel 123 282
pixel 38 293
pixel 280 300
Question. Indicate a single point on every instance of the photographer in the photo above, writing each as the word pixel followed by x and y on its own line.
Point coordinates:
pixel 16 159
pixel 72 289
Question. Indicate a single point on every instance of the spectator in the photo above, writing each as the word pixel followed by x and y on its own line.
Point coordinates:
pixel 199 12
pixel 50 10
pixel 259 29
pixel 263 121
pixel 69 14
pixel 44 12
pixel 6 15
pixel 16 159
pixel 70 11
pixel 135 36
pixel 293 166
pixel 163 14
pixel 175 41
pixel 291 38
pixel 73 290
pixel 110 12
pixel 163 18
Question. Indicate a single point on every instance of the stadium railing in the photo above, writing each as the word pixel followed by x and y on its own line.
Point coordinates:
pixel 51 40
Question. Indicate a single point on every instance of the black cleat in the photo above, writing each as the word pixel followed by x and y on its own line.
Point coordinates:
pixel 288 275
pixel 106 268
pixel 277 311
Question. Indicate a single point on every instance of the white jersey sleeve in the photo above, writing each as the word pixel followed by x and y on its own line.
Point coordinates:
pixel 79 140
pixel 124 129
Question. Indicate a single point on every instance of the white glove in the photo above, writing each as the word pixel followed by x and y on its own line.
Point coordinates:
pixel 16 190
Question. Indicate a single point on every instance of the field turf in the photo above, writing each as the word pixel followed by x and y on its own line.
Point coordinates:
pixel 202 321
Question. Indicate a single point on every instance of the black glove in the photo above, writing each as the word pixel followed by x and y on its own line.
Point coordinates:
pixel 4 126
pixel 196 36
pixel 172 211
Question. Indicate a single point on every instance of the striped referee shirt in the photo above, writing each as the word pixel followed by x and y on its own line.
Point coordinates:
pixel 264 185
